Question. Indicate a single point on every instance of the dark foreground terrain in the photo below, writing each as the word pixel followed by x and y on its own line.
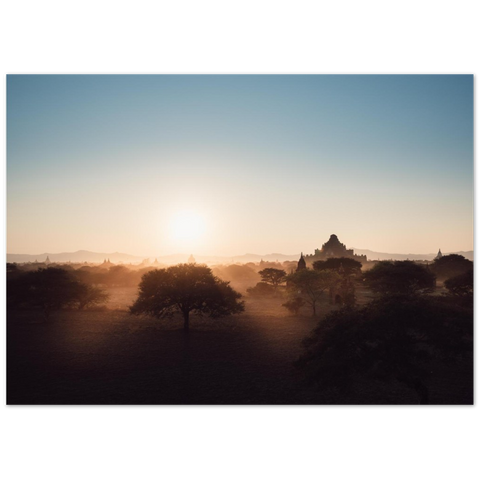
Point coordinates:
pixel 111 357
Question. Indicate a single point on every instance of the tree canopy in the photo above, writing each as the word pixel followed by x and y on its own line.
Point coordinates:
pixel 452 265
pixel 89 296
pixel 310 285
pixel 401 277
pixel 390 339
pixel 349 266
pixel 273 276
pixel 261 289
pixel 461 285
pixel 185 288
pixel 50 289
pixel 294 304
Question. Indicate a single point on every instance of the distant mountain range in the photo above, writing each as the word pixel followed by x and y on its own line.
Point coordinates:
pixel 74 257
pixel 116 257
pixel 410 256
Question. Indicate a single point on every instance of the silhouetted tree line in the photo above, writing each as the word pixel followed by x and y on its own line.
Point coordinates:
pixel 49 289
pixel 335 277
pixel 395 338
pixel 402 278
pixel 237 274
pixel 115 276
pixel 346 265
pixel 401 335
pixel 410 328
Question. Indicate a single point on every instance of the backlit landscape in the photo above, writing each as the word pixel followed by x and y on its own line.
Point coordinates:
pixel 240 239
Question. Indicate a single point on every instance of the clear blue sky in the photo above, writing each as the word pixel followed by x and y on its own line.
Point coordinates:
pixel 271 163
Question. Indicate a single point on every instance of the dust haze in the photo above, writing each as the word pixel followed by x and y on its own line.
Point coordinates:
pixel 266 332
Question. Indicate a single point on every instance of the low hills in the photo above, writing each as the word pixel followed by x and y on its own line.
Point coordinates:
pixel 117 257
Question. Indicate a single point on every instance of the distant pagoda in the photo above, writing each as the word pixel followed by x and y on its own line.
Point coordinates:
pixel 106 263
pixel 191 259
pixel 301 265
pixel 439 255
pixel 334 249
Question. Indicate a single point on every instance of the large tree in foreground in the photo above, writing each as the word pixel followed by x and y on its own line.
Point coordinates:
pixel 400 339
pixel 186 288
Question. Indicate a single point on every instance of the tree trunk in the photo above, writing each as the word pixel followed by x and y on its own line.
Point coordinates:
pixel 314 309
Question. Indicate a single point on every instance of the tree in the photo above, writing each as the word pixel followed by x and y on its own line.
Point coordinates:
pixel 13 271
pixel 119 275
pixel 450 266
pixel 346 290
pixel 390 339
pixel 461 285
pixel 349 266
pixel 185 288
pixel 235 273
pixel 294 305
pixel 261 289
pixel 273 276
pixel 89 296
pixel 47 289
pixel 310 285
pixel 402 277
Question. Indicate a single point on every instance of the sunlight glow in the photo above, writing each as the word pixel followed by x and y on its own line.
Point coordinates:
pixel 187 226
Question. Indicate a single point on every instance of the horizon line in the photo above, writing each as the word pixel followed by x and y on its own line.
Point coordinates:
pixel 218 255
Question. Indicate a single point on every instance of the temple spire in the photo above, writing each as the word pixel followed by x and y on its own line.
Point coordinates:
pixel 301 265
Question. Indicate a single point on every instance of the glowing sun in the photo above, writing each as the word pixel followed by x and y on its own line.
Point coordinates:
pixel 187 226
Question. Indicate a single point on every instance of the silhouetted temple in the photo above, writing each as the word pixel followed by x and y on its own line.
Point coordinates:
pixel 302 265
pixel 191 259
pixel 334 249
pixel 439 255
pixel 106 263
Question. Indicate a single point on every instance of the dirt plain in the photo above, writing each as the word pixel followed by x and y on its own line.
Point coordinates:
pixel 111 357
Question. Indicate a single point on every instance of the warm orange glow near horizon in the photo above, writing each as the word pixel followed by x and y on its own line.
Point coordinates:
pixel 187 229
pixel 228 165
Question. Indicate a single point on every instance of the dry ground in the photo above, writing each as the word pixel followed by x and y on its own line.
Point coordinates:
pixel 111 357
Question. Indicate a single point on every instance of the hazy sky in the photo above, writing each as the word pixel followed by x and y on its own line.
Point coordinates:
pixel 261 164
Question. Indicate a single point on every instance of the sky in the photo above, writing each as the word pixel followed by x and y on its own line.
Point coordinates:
pixel 225 165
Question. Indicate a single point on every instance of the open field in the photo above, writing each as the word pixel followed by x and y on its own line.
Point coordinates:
pixel 111 357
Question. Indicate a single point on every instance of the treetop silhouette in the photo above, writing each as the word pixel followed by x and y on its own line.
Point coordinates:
pixel 186 288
